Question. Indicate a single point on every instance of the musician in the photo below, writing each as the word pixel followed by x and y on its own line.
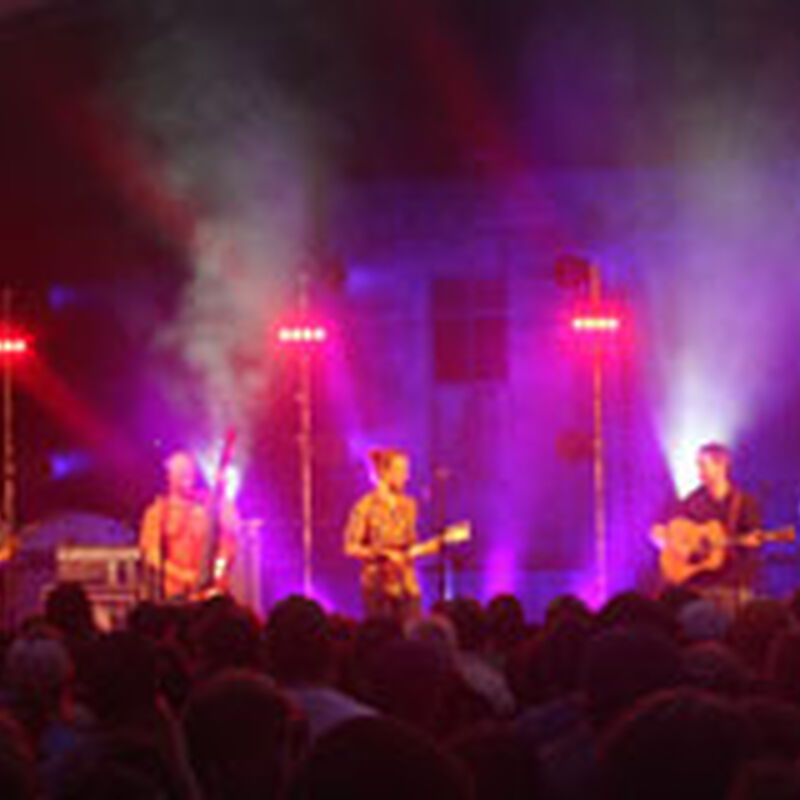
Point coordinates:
pixel 381 531
pixel 718 498
pixel 175 533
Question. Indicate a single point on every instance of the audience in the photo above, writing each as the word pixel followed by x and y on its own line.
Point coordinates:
pixel 102 779
pixel 783 665
pixel 766 779
pixel 716 667
pixel 68 609
pixel 500 762
pixel 224 637
pixel 776 726
pixel 123 694
pixel 376 757
pixel 677 743
pixel 300 656
pixel 242 737
pixel 548 679
pixel 625 663
pixel 505 627
pixel 17 775
pixel 39 676
pixel 118 764
pixel 633 610
pixel 410 683
pixel 702 621
pixel 472 663
pixel 647 698
pixel 754 628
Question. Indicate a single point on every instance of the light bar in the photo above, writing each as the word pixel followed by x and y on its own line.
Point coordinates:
pixel 13 346
pixel 302 334
pixel 596 324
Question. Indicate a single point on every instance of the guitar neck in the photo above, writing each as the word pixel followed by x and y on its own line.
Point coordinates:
pixel 756 538
pixel 425 548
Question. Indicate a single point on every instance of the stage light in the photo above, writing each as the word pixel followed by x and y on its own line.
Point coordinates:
pixel 302 334
pixel 596 324
pixel 13 346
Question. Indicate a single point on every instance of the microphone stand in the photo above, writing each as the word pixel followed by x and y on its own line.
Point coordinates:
pixel 440 477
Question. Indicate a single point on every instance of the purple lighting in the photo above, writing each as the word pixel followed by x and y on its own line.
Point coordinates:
pixel 65 464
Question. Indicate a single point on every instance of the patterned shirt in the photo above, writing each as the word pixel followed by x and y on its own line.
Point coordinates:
pixel 383 527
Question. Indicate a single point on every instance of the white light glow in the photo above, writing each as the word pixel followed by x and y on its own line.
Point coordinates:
pixel 13 346
pixel 701 408
pixel 723 307
pixel 207 462
pixel 593 324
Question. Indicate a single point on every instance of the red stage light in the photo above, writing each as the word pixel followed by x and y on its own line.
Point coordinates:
pixel 302 334
pixel 13 346
pixel 596 324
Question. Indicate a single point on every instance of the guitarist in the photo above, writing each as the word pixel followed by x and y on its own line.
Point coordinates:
pixel 381 531
pixel 719 499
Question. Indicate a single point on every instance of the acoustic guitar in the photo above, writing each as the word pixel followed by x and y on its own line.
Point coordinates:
pixel 689 548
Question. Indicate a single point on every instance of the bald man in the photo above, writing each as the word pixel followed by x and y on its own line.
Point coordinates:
pixel 175 530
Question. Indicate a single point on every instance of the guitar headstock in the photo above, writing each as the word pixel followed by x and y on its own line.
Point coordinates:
pixel 457 533
pixel 786 534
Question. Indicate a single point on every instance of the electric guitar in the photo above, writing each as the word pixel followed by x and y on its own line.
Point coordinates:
pixel 689 548
pixel 392 569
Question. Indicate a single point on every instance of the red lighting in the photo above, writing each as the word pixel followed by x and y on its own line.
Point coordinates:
pixel 13 346
pixel 596 324
pixel 302 334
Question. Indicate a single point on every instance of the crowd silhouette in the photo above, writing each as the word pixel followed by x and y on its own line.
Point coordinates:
pixel 647 697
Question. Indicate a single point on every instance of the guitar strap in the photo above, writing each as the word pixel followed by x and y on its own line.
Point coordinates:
pixel 741 579
pixel 734 514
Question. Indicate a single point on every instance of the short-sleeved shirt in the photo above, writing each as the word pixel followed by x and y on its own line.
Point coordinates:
pixel 382 526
